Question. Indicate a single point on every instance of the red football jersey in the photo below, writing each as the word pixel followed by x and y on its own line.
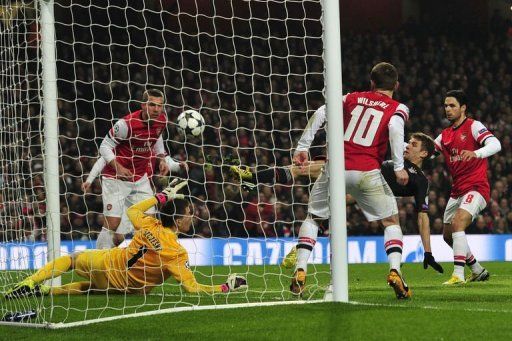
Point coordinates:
pixel 366 117
pixel 134 142
pixel 467 175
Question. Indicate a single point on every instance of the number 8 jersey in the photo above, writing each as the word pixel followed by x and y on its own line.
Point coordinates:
pixel 366 117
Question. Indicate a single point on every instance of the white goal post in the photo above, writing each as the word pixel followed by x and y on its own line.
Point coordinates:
pixel 256 71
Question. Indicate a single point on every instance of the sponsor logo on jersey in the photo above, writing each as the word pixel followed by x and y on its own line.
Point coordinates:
pixel 142 149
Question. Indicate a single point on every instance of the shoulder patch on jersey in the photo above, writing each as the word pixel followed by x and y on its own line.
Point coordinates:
pixel 483 130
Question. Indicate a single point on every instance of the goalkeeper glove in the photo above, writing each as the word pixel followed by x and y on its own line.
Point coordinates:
pixel 171 191
pixel 428 259
pixel 234 283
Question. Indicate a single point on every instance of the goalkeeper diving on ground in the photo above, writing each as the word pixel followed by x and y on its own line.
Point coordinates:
pixel 419 149
pixel 153 255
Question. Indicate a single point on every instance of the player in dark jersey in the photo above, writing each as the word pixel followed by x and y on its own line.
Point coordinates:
pixel 420 148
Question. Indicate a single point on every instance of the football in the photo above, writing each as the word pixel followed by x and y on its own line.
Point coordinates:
pixel 191 122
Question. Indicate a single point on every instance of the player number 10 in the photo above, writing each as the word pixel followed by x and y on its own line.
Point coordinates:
pixel 361 130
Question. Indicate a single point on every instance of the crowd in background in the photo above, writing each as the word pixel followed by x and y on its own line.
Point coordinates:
pixel 256 95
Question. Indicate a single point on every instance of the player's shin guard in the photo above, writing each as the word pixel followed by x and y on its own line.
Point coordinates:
pixel 307 240
pixel 105 239
pixel 460 250
pixel 393 245
pixel 473 264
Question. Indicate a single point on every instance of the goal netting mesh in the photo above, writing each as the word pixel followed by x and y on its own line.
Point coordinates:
pixel 253 69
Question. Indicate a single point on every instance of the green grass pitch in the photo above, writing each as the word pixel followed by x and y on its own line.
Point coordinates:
pixel 469 312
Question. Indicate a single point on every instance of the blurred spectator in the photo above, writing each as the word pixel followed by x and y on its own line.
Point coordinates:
pixel 255 108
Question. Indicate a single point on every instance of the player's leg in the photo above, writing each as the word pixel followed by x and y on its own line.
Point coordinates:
pixel 141 190
pixel 374 196
pixel 31 285
pixel 114 192
pixel 278 175
pixel 312 170
pixel 74 288
pixel 125 227
pixel 471 205
pixel 91 264
pixel 318 210
pixel 271 176
pixel 449 212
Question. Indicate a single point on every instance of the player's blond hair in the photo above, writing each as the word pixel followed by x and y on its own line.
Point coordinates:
pixel 152 93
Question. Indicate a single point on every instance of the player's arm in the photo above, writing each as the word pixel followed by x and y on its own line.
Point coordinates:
pixel 490 144
pixel 312 170
pixel 438 146
pixel 300 156
pixel 136 213
pixel 180 270
pixel 166 163
pixel 95 171
pixel 138 217
pixel 421 201
pixel 396 141
pixel 118 133
pixel 424 228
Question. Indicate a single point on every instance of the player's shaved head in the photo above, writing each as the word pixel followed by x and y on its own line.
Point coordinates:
pixel 384 76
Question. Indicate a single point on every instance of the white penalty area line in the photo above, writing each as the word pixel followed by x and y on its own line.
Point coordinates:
pixel 429 307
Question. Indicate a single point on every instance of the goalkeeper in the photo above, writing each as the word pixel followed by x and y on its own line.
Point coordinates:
pixel 420 148
pixel 153 255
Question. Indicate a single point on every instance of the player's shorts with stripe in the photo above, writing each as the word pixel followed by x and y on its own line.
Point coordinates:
pixel 118 195
pixel 472 202
pixel 369 189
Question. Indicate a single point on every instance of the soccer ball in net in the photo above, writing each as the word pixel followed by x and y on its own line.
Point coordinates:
pixel 191 122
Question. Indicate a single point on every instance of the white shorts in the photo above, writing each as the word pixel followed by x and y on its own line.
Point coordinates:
pixel 369 189
pixel 125 226
pixel 118 195
pixel 372 193
pixel 473 202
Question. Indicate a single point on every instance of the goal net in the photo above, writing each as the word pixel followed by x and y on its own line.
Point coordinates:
pixel 253 69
